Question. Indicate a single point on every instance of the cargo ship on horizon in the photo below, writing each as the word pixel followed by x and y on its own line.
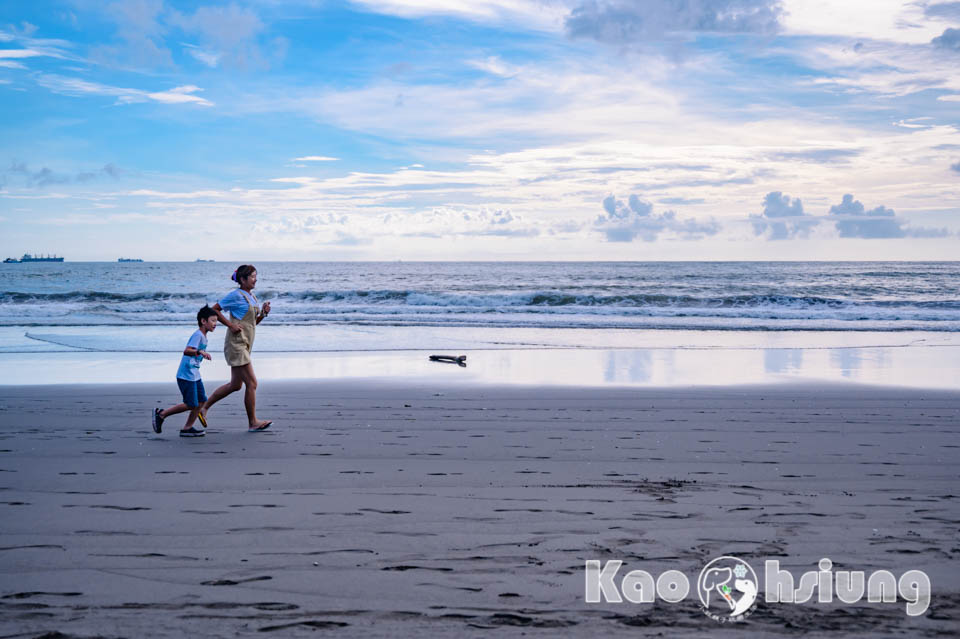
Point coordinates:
pixel 27 257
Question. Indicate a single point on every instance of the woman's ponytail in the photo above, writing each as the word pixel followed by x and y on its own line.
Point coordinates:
pixel 243 272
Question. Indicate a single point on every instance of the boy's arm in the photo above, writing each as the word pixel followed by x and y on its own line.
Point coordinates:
pixel 193 348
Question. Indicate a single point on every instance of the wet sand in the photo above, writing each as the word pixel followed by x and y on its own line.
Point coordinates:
pixel 388 509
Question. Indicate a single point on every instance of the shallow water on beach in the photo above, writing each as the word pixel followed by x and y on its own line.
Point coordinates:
pixel 655 359
pixel 279 338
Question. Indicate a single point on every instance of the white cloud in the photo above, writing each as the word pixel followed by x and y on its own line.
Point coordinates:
pixel 77 87
pixel 33 47
pixel 882 68
pixel 555 189
pixel 179 195
pixel 494 66
pixel 209 58
pixel 315 158
pixel 99 219
pixel 451 221
pixel 354 228
pixel 19 53
pixel 543 15
pixel 913 123
pixel 852 219
pixel 543 101
pixel 295 180
pixel 782 218
pixel 41 48
pixel 180 95
pixel 624 222
pixel 889 20
pixel 948 40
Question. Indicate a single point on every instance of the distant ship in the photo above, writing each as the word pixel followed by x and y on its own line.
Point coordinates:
pixel 33 258
pixel 129 259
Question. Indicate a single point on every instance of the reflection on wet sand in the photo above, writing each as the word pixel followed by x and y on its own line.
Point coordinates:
pixel 913 366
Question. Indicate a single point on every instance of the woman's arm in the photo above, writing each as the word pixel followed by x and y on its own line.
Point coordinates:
pixel 223 318
pixel 263 313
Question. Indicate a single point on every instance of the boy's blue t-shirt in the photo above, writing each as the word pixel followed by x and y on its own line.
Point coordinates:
pixel 190 366
pixel 236 303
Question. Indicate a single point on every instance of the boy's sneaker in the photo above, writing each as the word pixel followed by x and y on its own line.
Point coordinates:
pixel 192 432
pixel 157 420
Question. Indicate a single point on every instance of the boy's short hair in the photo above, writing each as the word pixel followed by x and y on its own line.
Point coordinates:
pixel 204 313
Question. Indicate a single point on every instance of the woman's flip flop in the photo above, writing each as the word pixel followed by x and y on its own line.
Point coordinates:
pixel 203 420
pixel 257 429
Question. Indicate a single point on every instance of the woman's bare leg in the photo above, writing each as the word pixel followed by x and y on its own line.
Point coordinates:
pixel 236 381
pixel 250 395
pixel 191 418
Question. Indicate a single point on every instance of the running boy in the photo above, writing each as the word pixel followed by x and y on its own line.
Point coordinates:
pixel 188 378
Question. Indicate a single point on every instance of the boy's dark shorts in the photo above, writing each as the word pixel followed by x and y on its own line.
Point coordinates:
pixel 193 393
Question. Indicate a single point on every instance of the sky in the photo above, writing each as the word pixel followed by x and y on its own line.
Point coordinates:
pixel 481 129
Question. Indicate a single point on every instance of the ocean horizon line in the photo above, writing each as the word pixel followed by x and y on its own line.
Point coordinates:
pixel 248 260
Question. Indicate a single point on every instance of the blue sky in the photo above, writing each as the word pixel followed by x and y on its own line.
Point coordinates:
pixel 485 129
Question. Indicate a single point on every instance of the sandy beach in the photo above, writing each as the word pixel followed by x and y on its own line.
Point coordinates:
pixel 378 508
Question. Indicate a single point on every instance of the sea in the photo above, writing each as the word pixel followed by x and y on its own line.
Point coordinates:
pixel 808 296
pixel 340 307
